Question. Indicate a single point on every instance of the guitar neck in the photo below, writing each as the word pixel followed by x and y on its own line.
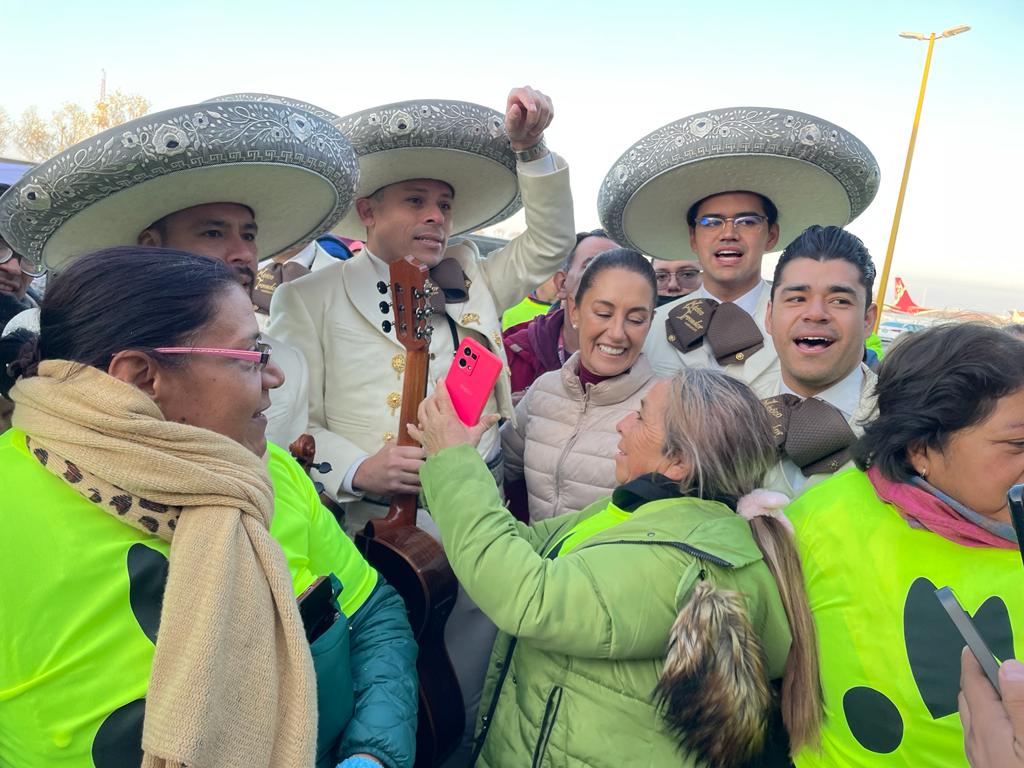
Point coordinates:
pixel 414 388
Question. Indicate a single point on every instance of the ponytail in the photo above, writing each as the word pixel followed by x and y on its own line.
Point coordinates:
pixel 801 700
pixel 19 357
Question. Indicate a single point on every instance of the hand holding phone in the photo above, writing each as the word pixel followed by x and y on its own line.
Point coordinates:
pixel 470 379
pixel 970 635
pixel 1015 497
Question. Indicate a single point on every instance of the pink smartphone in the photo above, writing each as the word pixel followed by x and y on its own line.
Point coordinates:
pixel 471 378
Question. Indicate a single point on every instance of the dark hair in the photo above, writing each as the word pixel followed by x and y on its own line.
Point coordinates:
pixel 825 243
pixel 617 258
pixel 934 383
pixel 129 297
pixel 580 237
pixel 770 211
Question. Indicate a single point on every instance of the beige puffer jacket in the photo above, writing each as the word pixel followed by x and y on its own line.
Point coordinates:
pixel 564 440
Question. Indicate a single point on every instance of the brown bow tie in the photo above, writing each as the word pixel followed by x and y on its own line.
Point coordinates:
pixel 732 334
pixel 454 285
pixel 271 276
pixel 813 433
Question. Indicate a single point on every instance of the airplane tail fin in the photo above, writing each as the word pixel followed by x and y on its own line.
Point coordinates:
pixel 903 301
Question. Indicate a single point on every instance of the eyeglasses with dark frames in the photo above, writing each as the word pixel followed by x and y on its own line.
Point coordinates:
pixel 29 268
pixel 743 221
pixel 682 275
pixel 260 355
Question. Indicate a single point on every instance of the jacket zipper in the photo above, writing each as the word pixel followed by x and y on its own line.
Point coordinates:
pixel 700 554
pixel 565 452
pixel 547 724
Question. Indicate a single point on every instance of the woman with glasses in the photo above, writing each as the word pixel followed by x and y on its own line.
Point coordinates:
pixel 563 439
pixel 152 545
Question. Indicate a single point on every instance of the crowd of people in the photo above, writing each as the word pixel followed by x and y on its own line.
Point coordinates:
pixel 698 522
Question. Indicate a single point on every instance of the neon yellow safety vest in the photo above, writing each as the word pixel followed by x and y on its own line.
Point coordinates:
pixel 890 656
pixel 80 604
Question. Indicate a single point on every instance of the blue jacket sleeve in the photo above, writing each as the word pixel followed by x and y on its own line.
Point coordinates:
pixel 383 658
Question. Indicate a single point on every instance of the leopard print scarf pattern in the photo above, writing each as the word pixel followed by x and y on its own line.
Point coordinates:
pixel 148 516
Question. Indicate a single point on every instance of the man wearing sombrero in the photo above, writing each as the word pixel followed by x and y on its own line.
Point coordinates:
pixel 237 178
pixel 730 185
pixel 428 169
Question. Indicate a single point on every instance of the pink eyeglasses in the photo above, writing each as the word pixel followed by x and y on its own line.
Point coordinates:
pixel 260 355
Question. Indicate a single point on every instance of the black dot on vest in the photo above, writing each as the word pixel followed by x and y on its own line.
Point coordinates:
pixel 147 575
pixel 118 742
pixel 874 720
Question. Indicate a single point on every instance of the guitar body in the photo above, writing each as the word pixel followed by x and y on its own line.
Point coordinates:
pixel 411 560
pixel 414 563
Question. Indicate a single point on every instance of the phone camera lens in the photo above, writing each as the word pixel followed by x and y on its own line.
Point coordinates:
pixel 462 362
pixel 467 351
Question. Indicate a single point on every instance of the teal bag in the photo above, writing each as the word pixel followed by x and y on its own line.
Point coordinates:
pixel 335 697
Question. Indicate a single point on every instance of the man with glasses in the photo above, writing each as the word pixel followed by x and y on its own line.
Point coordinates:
pixel 675 279
pixel 15 273
pixel 730 185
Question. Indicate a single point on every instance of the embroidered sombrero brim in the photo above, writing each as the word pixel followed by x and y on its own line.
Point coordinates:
pixel 459 143
pixel 813 171
pixel 295 170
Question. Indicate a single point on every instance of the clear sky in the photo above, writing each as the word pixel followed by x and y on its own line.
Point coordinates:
pixel 615 72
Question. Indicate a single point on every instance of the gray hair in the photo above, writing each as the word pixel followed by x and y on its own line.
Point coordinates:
pixel 719 428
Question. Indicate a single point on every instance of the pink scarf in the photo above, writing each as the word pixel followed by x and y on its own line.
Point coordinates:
pixel 923 510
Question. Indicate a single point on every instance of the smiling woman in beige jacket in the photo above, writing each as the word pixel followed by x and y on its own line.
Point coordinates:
pixel 564 439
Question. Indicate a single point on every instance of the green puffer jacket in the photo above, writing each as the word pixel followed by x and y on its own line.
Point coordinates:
pixel 592 625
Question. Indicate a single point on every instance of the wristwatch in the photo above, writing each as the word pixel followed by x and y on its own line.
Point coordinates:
pixel 536 152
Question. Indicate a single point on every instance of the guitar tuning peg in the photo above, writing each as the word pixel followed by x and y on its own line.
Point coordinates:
pixel 323 467
pixel 385 307
pixel 318 487
pixel 386 325
pixel 382 287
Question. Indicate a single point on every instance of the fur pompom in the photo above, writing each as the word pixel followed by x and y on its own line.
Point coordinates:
pixel 713 692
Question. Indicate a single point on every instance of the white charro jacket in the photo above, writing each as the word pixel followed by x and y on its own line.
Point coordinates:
pixel 356 369
pixel 758 369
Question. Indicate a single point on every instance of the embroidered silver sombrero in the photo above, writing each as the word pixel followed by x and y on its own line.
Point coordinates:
pixel 812 170
pixel 462 144
pixel 293 168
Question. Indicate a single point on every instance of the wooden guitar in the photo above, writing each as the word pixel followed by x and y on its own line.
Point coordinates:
pixel 411 560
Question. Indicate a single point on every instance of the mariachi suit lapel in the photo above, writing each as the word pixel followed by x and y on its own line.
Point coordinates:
pixel 359 279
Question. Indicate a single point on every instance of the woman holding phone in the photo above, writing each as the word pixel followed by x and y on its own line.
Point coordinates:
pixel 152 545
pixel 926 509
pixel 645 629
pixel 563 439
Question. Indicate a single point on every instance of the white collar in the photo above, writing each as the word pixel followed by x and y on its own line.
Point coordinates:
pixel 844 394
pixel 747 302
pixel 380 267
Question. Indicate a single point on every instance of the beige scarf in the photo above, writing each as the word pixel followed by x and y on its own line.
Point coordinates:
pixel 232 681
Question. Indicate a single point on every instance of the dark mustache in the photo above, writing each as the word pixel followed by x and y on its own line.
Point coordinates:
pixel 244 272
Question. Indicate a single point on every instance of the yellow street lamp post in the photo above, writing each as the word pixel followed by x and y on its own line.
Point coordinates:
pixel 931 38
